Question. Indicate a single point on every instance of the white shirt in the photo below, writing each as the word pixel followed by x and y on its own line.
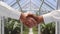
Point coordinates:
pixel 52 16
pixel 8 11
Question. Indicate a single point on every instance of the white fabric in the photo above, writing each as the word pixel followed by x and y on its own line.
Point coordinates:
pixel 8 11
pixel 52 16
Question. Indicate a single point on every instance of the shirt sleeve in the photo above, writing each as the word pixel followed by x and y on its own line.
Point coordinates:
pixel 56 15
pixel 8 11
pixel 52 16
pixel 48 18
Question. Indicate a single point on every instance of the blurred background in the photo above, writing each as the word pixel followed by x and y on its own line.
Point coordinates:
pixel 38 7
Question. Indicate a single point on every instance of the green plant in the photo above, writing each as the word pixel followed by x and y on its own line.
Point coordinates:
pixel 48 28
pixel 12 26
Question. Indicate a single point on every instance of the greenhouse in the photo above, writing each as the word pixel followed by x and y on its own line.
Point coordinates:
pixel 11 23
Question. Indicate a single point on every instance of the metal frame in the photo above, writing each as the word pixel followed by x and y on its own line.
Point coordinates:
pixel 57 23
pixel 44 3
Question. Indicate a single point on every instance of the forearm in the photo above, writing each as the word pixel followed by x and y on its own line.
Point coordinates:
pixel 46 18
pixel 40 19
pixel 8 11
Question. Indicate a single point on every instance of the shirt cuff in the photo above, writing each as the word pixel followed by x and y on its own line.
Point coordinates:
pixel 48 18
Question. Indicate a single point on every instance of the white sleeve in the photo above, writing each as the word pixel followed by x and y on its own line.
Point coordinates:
pixel 48 18
pixel 52 16
pixel 8 11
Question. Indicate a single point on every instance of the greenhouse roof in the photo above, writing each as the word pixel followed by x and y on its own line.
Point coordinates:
pixel 32 4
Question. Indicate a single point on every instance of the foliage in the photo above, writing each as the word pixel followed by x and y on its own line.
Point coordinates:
pixel 48 28
pixel 12 26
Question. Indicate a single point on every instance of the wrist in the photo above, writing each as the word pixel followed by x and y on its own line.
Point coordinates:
pixel 40 19
pixel 21 16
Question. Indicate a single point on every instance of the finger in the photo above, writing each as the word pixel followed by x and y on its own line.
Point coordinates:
pixel 33 16
pixel 32 22
pixel 27 23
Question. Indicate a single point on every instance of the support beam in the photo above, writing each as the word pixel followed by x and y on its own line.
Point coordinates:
pixel 2 24
pixel 57 22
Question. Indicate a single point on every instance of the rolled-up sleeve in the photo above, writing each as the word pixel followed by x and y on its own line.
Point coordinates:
pixel 8 11
pixel 48 18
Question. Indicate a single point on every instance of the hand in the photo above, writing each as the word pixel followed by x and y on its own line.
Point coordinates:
pixel 28 19
pixel 39 19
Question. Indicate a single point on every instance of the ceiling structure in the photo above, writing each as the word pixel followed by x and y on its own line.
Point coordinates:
pixel 32 5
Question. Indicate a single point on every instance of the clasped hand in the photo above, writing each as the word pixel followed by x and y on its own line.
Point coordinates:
pixel 29 20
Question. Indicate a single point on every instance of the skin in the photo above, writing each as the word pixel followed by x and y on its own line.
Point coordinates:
pixel 27 20
pixel 31 20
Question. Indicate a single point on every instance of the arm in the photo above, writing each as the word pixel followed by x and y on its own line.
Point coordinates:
pixel 8 11
pixel 47 18
pixel 50 17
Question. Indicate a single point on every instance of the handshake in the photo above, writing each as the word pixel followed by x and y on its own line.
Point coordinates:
pixel 30 20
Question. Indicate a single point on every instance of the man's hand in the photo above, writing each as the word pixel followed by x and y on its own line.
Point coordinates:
pixel 28 19
pixel 31 20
